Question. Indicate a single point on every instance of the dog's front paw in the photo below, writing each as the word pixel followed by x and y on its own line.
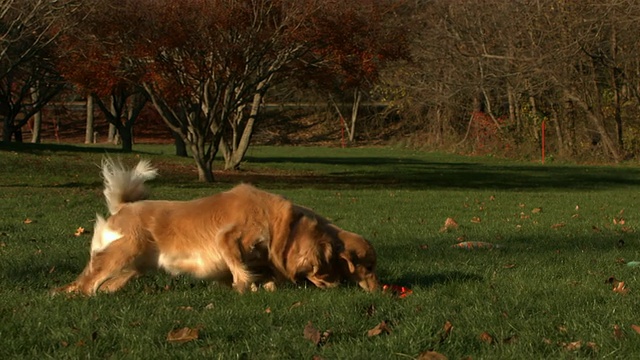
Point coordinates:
pixel 67 289
pixel 270 286
pixel 240 287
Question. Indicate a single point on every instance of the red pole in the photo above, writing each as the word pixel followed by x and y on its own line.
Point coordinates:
pixel 543 128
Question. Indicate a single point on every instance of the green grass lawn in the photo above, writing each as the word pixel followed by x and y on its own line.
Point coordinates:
pixel 564 230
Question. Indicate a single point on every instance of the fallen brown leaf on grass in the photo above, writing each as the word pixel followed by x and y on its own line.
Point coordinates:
pixel 617 332
pixel 557 226
pixel 27 221
pixel 577 345
pixel 486 338
pixel 536 210
pixel 620 288
pixel 312 334
pixel 572 346
pixel 475 220
pixel 79 231
pixel 379 329
pixel 295 305
pixel 635 328
pixel 182 335
pixel 446 330
pixel 431 355
pixel 449 224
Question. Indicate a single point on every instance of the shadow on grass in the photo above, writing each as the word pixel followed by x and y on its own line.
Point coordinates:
pixel 399 173
pixel 39 149
pixel 412 279
pixel 377 172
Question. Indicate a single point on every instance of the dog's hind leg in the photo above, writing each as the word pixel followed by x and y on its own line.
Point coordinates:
pixel 113 262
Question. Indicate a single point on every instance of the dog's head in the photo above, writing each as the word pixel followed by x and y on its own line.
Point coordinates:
pixel 359 260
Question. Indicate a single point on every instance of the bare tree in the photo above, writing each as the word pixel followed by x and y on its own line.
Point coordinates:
pixel 28 79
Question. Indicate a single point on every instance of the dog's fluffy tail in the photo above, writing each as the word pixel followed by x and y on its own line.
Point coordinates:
pixel 124 186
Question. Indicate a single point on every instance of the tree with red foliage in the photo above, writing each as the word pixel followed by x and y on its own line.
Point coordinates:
pixel 355 41
pixel 207 64
pixel 96 60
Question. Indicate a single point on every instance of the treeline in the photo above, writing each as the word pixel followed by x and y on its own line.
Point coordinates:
pixel 485 76
pixel 481 77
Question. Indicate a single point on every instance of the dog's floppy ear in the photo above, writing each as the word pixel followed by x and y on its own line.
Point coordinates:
pixel 346 257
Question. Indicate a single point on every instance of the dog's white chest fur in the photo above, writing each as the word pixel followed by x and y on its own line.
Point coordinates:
pixel 204 265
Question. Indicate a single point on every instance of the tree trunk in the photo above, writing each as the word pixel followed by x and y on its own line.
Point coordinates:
pixel 7 129
pixel 558 130
pixel 204 166
pixel 233 157
pixel 357 97
pixel 126 136
pixel 112 135
pixel 88 134
pixel 37 118
pixel 181 146
pixel 608 143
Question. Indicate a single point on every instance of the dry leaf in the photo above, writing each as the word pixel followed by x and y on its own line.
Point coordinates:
pixel 295 305
pixel 187 308
pixel 557 226
pixel 209 306
pixel 562 329
pixel 492 197
pixel 27 221
pixel 620 288
pixel 572 346
pixel 449 224
pixel 475 220
pixel 486 338
pixel 536 210
pixel 431 355
pixel 617 332
pixel 311 333
pixel 182 335
pixel 635 328
pixel 267 310
pixel 381 328
pixel 446 330
pixel 79 231
pixel 509 266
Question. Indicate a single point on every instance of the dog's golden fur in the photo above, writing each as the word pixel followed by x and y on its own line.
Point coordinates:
pixel 236 237
pixel 325 254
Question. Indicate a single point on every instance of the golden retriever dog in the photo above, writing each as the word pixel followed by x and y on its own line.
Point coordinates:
pixel 217 237
pixel 239 237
